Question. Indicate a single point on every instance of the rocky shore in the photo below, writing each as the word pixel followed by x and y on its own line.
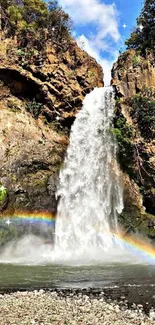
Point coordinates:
pixel 46 308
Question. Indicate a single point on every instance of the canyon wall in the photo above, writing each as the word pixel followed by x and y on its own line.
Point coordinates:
pixel 133 77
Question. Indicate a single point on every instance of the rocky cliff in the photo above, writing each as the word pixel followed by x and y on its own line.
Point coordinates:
pixel 133 77
pixel 39 98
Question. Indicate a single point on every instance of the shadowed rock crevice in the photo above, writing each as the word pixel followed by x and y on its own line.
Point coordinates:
pixel 20 85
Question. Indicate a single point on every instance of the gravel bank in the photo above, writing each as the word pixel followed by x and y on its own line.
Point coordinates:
pixel 46 308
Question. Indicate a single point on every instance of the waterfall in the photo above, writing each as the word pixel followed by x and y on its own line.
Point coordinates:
pixel 90 195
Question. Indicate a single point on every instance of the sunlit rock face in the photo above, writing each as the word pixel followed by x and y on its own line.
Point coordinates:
pixel 30 158
pixel 133 78
pixel 38 104
pixel 132 73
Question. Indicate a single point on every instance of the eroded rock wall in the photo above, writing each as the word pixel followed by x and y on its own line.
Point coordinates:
pixel 133 78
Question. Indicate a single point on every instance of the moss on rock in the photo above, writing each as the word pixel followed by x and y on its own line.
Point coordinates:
pixel 3 197
pixel 124 135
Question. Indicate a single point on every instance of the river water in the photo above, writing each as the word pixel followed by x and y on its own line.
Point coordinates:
pixel 134 283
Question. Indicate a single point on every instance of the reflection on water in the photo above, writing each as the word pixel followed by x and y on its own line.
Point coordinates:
pixel 60 276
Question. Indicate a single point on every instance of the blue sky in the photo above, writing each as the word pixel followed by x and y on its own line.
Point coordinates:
pixel 98 26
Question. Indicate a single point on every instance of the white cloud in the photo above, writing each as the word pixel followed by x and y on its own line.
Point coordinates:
pixel 103 16
pixel 102 20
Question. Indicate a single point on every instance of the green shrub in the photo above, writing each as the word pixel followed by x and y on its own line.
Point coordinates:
pixel 143 110
pixel 136 61
pixel 124 136
pixel 91 74
pixel 34 108
pixel 3 193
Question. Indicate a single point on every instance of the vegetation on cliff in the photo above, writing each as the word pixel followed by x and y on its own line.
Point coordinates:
pixel 143 37
pixel 134 129
pixel 143 110
pixel 33 22
pixel 134 81
pixel 124 135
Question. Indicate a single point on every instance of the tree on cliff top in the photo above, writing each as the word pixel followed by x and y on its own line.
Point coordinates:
pixel 34 20
pixel 59 21
pixel 143 37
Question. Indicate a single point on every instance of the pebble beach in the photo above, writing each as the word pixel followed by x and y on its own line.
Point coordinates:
pixel 46 308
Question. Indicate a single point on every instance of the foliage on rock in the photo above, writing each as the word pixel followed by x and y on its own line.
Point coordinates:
pixel 124 135
pixel 134 81
pixel 3 193
pixel 143 110
pixel 136 143
pixel 34 108
pixel 3 197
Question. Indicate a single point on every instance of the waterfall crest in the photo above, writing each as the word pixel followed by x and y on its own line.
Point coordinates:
pixel 89 189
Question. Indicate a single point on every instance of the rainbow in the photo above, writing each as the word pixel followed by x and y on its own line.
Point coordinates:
pixel 137 246
pixel 30 217
pixel 132 244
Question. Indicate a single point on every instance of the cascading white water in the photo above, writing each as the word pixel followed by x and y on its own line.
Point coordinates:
pixel 90 196
pixel 89 190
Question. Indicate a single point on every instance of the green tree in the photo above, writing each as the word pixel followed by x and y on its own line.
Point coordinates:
pixel 34 22
pixel 143 37
pixel 35 13
pixel 59 22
